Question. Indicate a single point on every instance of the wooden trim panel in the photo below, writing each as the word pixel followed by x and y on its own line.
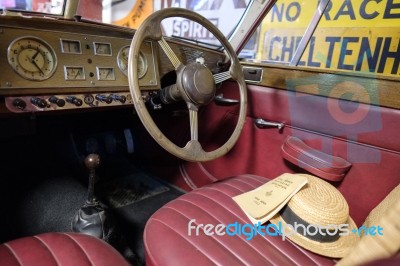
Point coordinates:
pixel 365 89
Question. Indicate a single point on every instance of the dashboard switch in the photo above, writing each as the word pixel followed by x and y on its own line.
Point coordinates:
pixel 119 98
pixel 19 103
pixel 88 99
pixel 59 102
pixel 41 103
pixel 104 98
pixel 74 100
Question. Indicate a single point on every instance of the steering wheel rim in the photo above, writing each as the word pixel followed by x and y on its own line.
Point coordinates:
pixel 150 29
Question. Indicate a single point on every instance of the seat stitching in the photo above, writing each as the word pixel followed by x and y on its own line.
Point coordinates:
pixel 241 237
pixel 265 237
pixel 241 181
pixel 222 192
pixel 13 252
pixel 232 186
pixel 48 248
pixel 215 219
pixel 239 218
pixel 191 243
pixel 77 243
pixel 247 243
pixel 252 178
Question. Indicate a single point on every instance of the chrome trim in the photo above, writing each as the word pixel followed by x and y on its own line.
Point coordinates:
pixel 255 11
pixel 309 32
pixel 261 123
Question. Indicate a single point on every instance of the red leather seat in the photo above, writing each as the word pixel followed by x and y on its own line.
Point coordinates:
pixel 167 241
pixel 59 249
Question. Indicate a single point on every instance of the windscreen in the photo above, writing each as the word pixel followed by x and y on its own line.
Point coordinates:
pixel 53 7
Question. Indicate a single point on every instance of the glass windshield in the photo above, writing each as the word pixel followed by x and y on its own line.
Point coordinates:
pixel 53 7
pixel 225 14
pixel 360 37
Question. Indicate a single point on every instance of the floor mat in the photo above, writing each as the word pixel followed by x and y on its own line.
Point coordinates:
pixel 130 189
pixel 133 199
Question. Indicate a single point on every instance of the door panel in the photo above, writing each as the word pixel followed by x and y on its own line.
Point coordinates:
pixel 365 135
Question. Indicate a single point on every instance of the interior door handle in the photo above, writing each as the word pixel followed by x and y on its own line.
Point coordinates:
pixel 261 123
pixel 220 100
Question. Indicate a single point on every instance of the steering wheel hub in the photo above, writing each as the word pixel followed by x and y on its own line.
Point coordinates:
pixel 198 84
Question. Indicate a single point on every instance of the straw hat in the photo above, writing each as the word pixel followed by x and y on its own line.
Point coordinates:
pixel 319 203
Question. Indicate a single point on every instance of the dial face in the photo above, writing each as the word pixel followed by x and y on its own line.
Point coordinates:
pixel 105 73
pixel 71 47
pixel 123 62
pixel 32 58
pixel 102 48
pixel 74 73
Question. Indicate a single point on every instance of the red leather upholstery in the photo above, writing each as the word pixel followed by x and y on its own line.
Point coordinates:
pixel 328 167
pixel 167 241
pixel 59 249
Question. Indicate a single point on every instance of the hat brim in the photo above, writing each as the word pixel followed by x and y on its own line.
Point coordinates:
pixel 336 249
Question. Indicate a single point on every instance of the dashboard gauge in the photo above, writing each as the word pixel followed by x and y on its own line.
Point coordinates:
pixel 70 47
pixel 32 58
pixel 74 73
pixel 142 65
pixel 105 73
pixel 122 59
pixel 102 48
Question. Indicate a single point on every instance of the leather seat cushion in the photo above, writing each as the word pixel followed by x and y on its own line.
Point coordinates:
pixel 167 240
pixel 59 249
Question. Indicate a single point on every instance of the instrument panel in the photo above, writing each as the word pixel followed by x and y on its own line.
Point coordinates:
pixel 54 59
pixel 52 64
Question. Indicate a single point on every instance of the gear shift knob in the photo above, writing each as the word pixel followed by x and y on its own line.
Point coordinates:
pixel 92 218
pixel 92 161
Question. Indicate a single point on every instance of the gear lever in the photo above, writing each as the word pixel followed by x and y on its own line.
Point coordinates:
pixel 92 161
pixel 92 218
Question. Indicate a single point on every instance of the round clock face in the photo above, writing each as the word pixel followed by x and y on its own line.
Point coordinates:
pixel 123 62
pixel 32 58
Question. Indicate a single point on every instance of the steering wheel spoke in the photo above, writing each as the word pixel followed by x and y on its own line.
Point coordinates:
pixel 194 122
pixel 170 54
pixel 219 77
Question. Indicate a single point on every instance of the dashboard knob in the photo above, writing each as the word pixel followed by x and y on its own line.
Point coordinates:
pixel 41 103
pixel 104 98
pixel 19 103
pixel 59 102
pixel 88 99
pixel 119 98
pixel 74 100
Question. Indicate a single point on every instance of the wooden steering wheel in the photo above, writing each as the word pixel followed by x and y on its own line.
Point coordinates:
pixel 195 85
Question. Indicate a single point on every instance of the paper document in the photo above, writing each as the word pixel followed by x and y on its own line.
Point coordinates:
pixel 265 201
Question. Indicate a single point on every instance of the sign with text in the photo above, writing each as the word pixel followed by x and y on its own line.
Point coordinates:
pixel 224 14
pixel 356 36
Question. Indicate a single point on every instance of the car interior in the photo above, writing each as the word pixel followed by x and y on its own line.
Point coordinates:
pixel 115 140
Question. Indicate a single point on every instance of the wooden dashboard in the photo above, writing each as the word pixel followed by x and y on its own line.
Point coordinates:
pixel 52 64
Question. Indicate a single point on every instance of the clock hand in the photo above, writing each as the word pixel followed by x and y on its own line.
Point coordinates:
pixel 34 63
pixel 34 56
